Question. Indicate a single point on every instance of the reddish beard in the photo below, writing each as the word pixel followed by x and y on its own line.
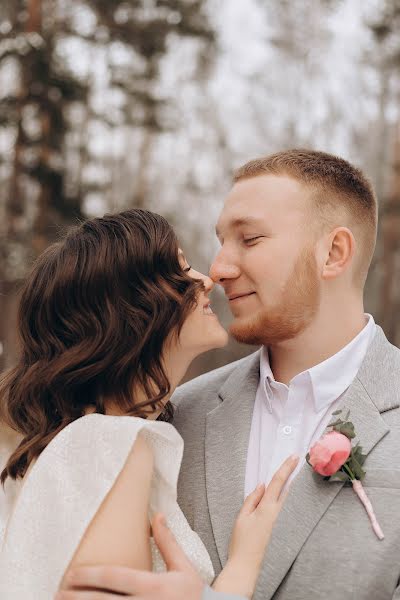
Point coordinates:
pixel 286 320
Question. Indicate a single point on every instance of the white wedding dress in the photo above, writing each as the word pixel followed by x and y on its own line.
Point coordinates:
pixel 64 489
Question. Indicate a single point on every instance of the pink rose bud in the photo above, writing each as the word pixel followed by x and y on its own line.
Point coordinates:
pixel 330 453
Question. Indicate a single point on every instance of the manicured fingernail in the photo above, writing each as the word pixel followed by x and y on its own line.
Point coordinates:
pixel 294 457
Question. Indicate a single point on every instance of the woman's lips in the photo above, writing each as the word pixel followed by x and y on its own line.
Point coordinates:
pixel 207 310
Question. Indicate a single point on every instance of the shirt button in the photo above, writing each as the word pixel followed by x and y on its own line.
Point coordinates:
pixel 287 429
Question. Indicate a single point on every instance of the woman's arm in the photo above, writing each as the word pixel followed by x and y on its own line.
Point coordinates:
pixel 119 533
pixel 236 581
pixel 180 582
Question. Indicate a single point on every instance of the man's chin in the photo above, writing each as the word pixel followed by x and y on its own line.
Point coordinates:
pixel 245 332
pixel 260 331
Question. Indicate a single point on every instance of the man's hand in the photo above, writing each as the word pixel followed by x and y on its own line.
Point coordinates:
pixel 181 582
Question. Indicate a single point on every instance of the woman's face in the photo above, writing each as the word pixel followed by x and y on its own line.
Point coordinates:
pixel 201 330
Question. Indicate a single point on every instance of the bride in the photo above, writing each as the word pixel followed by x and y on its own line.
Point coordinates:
pixel 109 320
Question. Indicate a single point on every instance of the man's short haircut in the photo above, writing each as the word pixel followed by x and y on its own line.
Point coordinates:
pixel 338 189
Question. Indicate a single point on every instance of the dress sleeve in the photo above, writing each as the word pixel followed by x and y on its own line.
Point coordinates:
pixel 9 440
pixel 60 497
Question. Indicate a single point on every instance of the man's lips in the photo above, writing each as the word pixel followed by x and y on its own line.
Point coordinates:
pixel 233 297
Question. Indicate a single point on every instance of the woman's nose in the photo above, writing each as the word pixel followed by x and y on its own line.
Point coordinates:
pixel 208 283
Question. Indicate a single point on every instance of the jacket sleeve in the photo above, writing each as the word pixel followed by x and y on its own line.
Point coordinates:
pixel 209 594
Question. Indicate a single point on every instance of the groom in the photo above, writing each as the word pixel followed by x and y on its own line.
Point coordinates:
pixel 297 235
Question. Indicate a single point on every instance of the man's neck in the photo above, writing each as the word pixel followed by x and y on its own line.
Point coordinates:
pixel 321 340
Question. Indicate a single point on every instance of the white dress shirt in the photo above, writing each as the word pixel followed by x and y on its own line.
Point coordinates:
pixel 289 419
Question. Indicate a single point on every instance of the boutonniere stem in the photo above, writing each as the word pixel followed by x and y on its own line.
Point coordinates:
pixel 334 457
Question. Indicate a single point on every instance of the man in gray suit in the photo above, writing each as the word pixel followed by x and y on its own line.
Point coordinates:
pixel 297 235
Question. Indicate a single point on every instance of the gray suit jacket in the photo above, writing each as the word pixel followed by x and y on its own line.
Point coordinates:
pixel 322 545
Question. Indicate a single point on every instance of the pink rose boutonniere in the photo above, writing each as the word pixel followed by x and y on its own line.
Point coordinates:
pixel 334 456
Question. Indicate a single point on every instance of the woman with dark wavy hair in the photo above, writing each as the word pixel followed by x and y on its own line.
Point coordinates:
pixel 109 320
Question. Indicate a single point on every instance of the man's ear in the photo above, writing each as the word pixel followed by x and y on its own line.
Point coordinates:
pixel 339 251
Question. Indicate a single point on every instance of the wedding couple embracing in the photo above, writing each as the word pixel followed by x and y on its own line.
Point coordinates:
pixel 236 496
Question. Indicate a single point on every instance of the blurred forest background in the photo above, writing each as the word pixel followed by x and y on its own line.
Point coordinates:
pixel 109 104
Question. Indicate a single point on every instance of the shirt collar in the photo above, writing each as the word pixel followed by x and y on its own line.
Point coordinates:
pixel 330 378
pixel 266 375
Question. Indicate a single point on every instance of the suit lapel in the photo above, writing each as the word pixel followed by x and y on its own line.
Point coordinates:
pixel 310 495
pixel 227 436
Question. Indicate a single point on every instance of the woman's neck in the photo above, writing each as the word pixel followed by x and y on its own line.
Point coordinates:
pixel 175 366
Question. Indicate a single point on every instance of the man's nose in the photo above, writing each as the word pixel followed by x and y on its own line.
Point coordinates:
pixel 222 269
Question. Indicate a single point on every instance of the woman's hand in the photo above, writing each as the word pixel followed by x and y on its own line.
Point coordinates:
pixel 252 533
pixel 180 582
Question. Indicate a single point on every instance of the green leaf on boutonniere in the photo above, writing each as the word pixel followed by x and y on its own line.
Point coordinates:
pixel 354 463
pixel 340 476
pixel 358 455
pixel 346 428
pixel 308 459
pixel 336 423
pixel 336 412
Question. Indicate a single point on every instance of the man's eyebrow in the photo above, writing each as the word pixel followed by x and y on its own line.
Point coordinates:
pixel 239 222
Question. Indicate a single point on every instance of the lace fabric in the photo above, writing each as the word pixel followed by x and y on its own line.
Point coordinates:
pixel 66 486
pixel 9 440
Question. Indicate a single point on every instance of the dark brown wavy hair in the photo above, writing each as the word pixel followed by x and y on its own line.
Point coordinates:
pixel 93 320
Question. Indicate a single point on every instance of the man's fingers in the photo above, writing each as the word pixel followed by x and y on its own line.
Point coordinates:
pixel 120 580
pixel 172 553
pixel 253 499
pixel 279 480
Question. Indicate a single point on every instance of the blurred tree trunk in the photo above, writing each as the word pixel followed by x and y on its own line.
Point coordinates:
pixel 141 192
pixel 15 207
pixel 386 266
pixel 390 240
pixel 53 167
pixel 36 205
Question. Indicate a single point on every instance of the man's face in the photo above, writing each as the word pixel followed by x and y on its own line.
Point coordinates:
pixel 266 263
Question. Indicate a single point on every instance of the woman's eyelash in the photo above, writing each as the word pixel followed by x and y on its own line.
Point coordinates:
pixel 187 269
